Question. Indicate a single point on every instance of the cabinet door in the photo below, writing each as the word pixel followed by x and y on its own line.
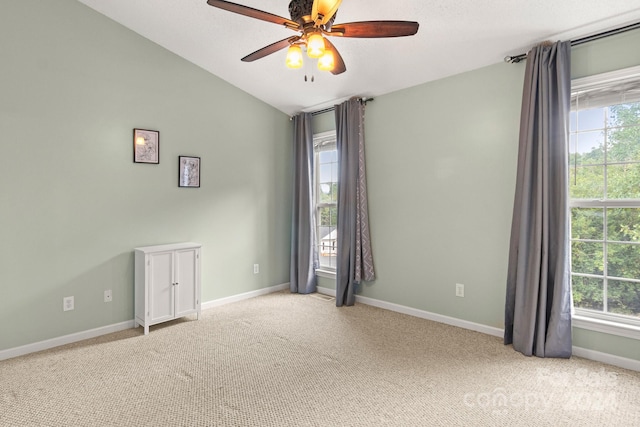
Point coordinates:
pixel 161 302
pixel 186 273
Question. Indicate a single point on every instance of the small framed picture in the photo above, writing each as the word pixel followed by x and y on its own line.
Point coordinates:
pixel 188 171
pixel 146 146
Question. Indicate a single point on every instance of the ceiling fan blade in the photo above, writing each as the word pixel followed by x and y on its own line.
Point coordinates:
pixel 326 8
pixel 272 48
pixel 339 66
pixel 374 29
pixel 254 13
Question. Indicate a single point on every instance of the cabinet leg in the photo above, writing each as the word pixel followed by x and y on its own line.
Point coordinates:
pixel 146 329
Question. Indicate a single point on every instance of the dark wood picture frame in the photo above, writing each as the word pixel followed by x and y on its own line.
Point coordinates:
pixel 189 171
pixel 146 146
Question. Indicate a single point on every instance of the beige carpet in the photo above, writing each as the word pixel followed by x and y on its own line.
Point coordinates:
pixel 293 360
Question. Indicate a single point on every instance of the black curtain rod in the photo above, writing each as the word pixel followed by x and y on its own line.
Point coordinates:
pixel 326 110
pixel 523 56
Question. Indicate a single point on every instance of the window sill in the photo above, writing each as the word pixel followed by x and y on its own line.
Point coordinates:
pixel 327 274
pixel 606 326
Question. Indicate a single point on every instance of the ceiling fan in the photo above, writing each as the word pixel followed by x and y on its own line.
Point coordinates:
pixel 313 19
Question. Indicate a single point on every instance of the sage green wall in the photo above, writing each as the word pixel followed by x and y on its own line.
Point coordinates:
pixel 441 162
pixel 73 205
pixel 441 168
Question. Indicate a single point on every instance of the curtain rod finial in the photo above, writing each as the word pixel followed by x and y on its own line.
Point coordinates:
pixel 515 59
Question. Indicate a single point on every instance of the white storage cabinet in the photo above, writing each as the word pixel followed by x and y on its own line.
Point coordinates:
pixel 167 283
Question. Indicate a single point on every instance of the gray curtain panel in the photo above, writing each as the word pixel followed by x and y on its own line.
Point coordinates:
pixel 355 259
pixel 304 251
pixel 538 300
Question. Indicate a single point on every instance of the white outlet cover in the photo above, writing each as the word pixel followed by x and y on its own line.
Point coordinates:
pixel 67 303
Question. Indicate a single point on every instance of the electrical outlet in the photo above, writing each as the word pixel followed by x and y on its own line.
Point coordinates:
pixel 256 268
pixel 107 296
pixel 460 290
pixel 67 303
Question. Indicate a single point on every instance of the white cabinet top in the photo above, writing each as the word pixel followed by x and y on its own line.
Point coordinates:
pixel 168 247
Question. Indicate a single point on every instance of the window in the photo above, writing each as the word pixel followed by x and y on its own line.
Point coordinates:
pixel 326 197
pixel 604 189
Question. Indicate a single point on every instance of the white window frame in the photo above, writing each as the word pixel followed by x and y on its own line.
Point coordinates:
pixel 605 322
pixel 319 139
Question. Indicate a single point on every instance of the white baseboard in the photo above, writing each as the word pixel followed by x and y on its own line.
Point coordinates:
pixel 66 339
pixel 585 353
pixel 465 324
pixel 235 298
pixel 129 324
pixel 607 358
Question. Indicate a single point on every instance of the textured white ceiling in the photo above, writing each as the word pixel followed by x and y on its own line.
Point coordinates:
pixel 454 37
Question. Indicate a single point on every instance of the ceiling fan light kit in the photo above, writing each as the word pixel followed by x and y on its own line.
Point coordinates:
pixel 313 19
pixel 315 45
pixel 326 62
pixel 294 57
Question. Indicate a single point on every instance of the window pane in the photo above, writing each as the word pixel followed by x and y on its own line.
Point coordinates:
pixel 586 182
pixel 591 119
pixel 590 148
pixel 325 173
pixel 587 293
pixel 623 297
pixel 624 114
pixel 623 260
pixel 334 192
pixel 328 193
pixel 623 144
pixel 623 181
pixel 623 225
pixel 328 156
pixel 587 223
pixel 327 216
pixel 327 247
pixel 573 121
pixel 587 257
pixel 328 261
pixel 329 172
pixel 323 231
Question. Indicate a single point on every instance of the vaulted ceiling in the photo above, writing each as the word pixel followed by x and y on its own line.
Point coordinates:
pixel 454 37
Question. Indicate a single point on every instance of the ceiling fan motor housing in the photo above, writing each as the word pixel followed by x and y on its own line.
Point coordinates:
pixel 301 9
